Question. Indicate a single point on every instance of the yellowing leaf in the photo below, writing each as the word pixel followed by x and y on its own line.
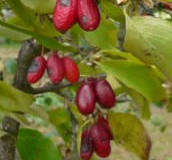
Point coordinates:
pixel 129 132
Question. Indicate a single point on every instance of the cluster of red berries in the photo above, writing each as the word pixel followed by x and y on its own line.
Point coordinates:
pixel 57 68
pixel 96 138
pixel 68 12
pixel 94 90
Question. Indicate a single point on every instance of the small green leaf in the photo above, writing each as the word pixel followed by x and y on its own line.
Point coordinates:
pixel 59 116
pixel 61 119
pixel 104 36
pixel 12 99
pixel 32 145
pixel 142 104
pixel 136 76
pixel 12 34
pixel 129 132
pixel 112 10
pixel 87 70
pixel 40 6
pixel 48 42
pixel 22 11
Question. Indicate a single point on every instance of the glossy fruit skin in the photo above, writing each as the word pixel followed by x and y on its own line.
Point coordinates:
pixel 105 124
pixel 87 147
pixel 65 14
pixel 85 99
pixel 72 73
pixel 104 94
pixel 101 140
pixel 36 70
pixel 88 15
pixel 55 68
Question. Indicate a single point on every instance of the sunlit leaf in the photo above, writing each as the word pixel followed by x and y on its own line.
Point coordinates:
pixel 136 76
pixel 148 38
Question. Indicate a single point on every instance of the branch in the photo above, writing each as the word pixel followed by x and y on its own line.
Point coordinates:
pixel 56 87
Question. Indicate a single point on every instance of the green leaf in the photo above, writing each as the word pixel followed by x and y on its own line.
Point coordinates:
pixel 22 11
pixel 32 145
pixel 112 10
pixel 61 119
pixel 12 99
pixel 48 42
pixel 148 38
pixel 104 36
pixel 129 132
pixel 40 6
pixel 142 104
pixel 136 76
pixel 45 25
pixel 12 34
pixel 87 70
pixel 59 116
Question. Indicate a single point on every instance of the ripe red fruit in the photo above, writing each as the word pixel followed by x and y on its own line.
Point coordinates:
pixel 55 68
pixel 105 124
pixel 36 70
pixel 101 140
pixel 85 99
pixel 87 147
pixel 71 70
pixel 103 149
pixel 88 14
pixel 65 14
pixel 91 81
pixel 104 94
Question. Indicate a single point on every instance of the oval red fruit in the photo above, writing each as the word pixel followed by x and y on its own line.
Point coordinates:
pixel 71 70
pixel 65 14
pixel 55 68
pixel 88 14
pixel 87 147
pixel 36 70
pixel 104 94
pixel 105 124
pixel 85 99
pixel 101 140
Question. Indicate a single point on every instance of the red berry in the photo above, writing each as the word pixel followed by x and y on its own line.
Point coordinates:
pixel 87 147
pixel 104 94
pixel 103 149
pixel 88 14
pixel 105 124
pixel 91 81
pixel 65 14
pixel 55 68
pixel 101 140
pixel 85 99
pixel 71 70
pixel 36 70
